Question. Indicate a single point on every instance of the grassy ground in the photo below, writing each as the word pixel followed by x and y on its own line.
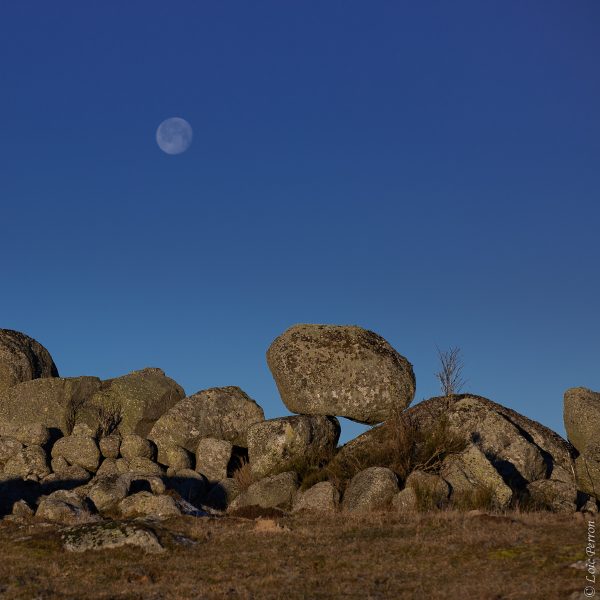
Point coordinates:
pixel 437 555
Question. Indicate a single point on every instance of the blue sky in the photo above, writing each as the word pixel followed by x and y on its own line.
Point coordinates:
pixel 428 170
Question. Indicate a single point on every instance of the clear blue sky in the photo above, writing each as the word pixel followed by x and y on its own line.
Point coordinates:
pixel 428 170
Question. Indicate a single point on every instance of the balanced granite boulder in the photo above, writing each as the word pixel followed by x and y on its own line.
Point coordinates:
pixel 277 445
pixel 223 413
pixel 22 359
pixel 337 370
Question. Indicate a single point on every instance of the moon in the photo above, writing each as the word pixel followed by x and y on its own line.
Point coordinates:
pixel 174 135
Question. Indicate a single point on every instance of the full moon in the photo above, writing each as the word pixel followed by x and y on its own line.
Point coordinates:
pixel 174 135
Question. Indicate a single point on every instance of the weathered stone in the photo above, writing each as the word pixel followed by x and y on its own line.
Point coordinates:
pixel 514 457
pixel 321 497
pixel 78 450
pixel 66 472
pixel 64 507
pixel 222 413
pixel 148 505
pixel 134 402
pixel 22 510
pixel 107 536
pixel 556 496
pixel 135 446
pixel 122 465
pixel 110 445
pixel 177 458
pixel 406 501
pixel 9 448
pixel 30 434
pixel 431 490
pixel 53 402
pixel 144 466
pixel 212 458
pixel 222 493
pixel 107 467
pixel 277 491
pixel 22 359
pixel 582 417
pixel 106 492
pixel 278 444
pixel 85 430
pixel 340 370
pixel 470 473
pixel 370 490
pixel 191 486
pixel 145 483
pixel 29 463
pixel 587 471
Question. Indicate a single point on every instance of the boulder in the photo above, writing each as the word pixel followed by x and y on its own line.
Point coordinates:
pixel 474 480
pixel 277 491
pixel 29 463
pixel 280 444
pixel 135 446
pixel 582 423
pixel 190 486
pixel 212 458
pixel 133 402
pixel 107 467
pixel 340 370
pixel 78 450
pixel 9 448
pixel 556 496
pixel 177 458
pixel 66 472
pixel 110 445
pixel 144 466
pixel 110 535
pixel 30 434
pixel 64 507
pixel 587 472
pixel 370 490
pixel 22 510
pixel 222 494
pixel 106 492
pixel 582 417
pixel 53 402
pixel 145 504
pixel 515 457
pixel 222 413
pixel 321 497
pixel 406 501
pixel 22 359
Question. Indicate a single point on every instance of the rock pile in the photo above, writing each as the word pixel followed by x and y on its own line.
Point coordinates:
pixel 81 451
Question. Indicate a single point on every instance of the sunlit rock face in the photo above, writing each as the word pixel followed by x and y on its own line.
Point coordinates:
pixel 340 370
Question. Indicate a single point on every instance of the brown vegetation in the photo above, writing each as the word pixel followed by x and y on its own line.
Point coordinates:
pixel 445 554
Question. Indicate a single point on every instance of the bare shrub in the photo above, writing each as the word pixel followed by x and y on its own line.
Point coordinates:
pixel 109 419
pixel 482 499
pixel 450 373
pixel 72 410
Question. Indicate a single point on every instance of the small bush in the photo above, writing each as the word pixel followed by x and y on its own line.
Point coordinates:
pixel 243 475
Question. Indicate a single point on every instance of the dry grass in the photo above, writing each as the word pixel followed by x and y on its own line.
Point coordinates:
pixel 403 447
pixel 445 554
pixel 243 474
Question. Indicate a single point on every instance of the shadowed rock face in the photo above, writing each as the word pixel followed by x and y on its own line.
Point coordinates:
pixel 337 370
pixel 22 359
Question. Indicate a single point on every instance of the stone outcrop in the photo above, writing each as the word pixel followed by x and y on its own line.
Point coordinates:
pixel 337 370
pixel 22 359
pixel 321 497
pixel 221 413
pixel 582 423
pixel 107 536
pixel 370 490
pixel 277 491
pixel 134 401
pixel 276 444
